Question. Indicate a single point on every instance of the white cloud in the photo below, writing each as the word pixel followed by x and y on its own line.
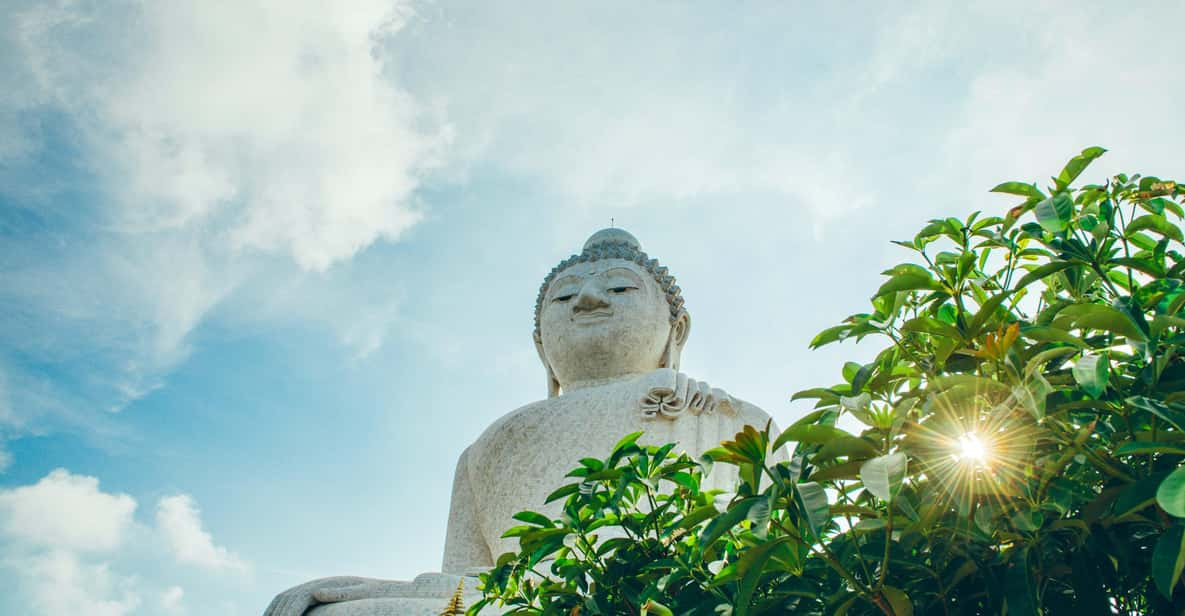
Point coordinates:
pixel 179 521
pixel 272 120
pixel 53 531
pixel 225 145
pixel 58 583
pixel 66 511
pixel 170 599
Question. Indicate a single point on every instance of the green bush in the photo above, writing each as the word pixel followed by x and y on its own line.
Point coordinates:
pixel 1021 450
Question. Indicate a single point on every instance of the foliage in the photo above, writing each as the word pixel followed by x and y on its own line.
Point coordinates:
pixel 1023 433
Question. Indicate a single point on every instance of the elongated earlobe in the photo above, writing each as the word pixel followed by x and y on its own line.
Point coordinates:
pixel 553 384
pixel 680 329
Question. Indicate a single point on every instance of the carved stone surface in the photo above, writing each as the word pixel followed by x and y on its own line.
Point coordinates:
pixel 610 326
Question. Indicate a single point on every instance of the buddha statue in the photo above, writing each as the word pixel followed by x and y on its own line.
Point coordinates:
pixel 610 326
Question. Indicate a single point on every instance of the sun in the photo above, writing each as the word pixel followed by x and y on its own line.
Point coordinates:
pixel 971 449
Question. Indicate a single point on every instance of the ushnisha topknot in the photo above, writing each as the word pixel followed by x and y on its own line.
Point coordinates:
pixel 615 243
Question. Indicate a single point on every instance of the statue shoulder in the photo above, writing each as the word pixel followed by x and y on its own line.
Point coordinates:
pixel 510 425
pixel 750 414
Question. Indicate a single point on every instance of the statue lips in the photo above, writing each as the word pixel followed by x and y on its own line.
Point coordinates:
pixel 592 317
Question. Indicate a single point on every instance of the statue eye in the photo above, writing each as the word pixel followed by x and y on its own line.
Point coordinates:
pixel 563 298
pixel 620 290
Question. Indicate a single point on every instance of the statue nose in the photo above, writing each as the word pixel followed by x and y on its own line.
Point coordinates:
pixel 590 298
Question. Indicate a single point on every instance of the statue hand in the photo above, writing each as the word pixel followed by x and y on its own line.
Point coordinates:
pixel 669 394
pixel 296 600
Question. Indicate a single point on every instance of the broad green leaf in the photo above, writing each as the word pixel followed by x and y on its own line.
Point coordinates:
pixel 1040 272
pixel 1019 188
pixel 932 326
pixel 1171 493
pixel 882 476
pixel 1168 559
pixel 1138 448
pixel 1136 496
pixel 1162 322
pixel 909 281
pixel 1020 587
pixel 1045 333
pixel 985 312
pixel 750 568
pixel 727 520
pixel 869 524
pixel 530 517
pixel 812 501
pixel 1054 213
pixel 853 447
pixel 813 434
pixel 1037 363
pixel 1077 165
pixel 1155 223
pixel 899 601
pixel 1092 372
pixel 1106 318
pixel 829 335
pixel 1171 414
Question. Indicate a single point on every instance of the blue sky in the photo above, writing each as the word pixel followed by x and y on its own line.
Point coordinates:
pixel 267 267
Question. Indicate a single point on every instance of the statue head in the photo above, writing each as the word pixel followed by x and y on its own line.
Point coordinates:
pixel 608 312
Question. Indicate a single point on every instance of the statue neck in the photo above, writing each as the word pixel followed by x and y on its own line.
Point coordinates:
pixel 597 382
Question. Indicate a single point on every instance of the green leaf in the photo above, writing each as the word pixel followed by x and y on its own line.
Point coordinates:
pixel 750 568
pixel 853 447
pixel 727 520
pixel 1054 213
pixel 1168 413
pixel 1139 448
pixel 985 312
pixel 812 434
pixel 1106 318
pixel 909 281
pixel 1091 372
pixel 1168 559
pixel 899 601
pixel 530 517
pixel 1171 493
pixel 1019 188
pixel 812 501
pixel 696 517
pixel 1019 584
pixel 1077 165
pixel 932 326
pixel 1044 333
pixel 1137 496
pixel 1155 223
pixel 882 476
pixel 829 335
pixel 1040 272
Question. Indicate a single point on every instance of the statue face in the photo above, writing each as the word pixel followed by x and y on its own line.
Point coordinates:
pixel 603 319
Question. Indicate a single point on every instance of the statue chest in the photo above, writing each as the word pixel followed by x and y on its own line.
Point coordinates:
pixel 525 456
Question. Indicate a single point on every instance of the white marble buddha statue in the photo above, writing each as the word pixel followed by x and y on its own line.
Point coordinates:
pixel 610 326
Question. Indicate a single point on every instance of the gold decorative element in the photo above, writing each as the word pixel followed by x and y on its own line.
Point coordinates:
pixel 456 605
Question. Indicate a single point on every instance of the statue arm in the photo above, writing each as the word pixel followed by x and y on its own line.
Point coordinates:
pixel 465 548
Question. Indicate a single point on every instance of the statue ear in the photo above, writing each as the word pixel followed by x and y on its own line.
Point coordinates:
pixel 553 384
pixel 680 330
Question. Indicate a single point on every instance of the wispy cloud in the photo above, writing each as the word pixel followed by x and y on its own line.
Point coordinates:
pixel 179 522
pixel 212 145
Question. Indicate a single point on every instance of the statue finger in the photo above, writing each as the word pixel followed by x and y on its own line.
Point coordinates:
pixel 662 381
pixel 724 402
pixel 681 390
pixel 283 605
pixel 706 398
pixel 344 593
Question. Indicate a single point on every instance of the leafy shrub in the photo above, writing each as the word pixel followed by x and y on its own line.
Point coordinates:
pixel 1021 450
